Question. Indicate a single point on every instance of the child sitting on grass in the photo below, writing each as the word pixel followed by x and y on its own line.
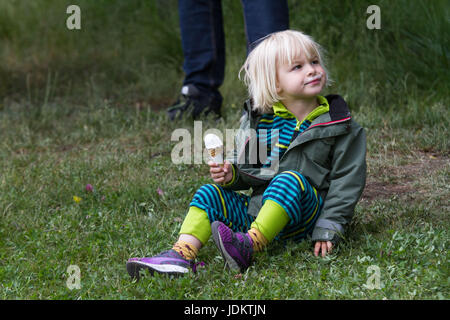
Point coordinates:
pixel 306 184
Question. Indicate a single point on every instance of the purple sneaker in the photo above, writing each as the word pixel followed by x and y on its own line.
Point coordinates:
pixel 167 262
pixel 235 247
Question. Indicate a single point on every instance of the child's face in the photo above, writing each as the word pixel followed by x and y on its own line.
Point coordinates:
pixel 301 80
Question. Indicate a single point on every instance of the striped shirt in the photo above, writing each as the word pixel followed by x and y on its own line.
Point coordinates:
pixel 276 131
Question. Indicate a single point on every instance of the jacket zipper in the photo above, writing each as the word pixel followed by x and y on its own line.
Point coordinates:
pixel 323 124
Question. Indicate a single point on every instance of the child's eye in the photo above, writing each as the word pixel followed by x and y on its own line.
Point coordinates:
pixel 297 67
pixel 315 62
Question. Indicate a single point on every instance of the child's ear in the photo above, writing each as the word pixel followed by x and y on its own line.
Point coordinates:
pixel 277 83
pixel 277 86
pixel 278 89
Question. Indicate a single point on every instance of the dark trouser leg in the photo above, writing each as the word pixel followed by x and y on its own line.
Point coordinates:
pixel 263 17
pixel 203 43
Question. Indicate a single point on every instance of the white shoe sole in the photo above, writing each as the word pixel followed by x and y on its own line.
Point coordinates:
pixel 228 259
pixel 133 268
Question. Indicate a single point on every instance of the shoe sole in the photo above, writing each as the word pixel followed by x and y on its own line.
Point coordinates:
pixel 229 261
pixel 134 268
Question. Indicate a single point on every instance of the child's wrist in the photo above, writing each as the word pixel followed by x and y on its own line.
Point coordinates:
pixel 232 179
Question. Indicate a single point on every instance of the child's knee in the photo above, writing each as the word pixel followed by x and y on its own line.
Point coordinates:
pixel 207 195
pixel 291 178
pixel 289 173
pixel 206 190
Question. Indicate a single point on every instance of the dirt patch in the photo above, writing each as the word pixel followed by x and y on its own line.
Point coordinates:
pixel 403 180
pixel 376 190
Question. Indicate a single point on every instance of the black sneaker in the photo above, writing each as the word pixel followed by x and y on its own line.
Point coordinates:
pixel 195 103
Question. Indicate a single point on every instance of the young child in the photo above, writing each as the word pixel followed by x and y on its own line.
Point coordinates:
pixel 306 184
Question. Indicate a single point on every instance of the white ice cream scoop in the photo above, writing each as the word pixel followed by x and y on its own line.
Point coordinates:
pixel 214 146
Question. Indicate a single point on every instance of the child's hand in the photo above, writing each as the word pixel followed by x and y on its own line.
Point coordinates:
pixel 325 246
pixel 221 173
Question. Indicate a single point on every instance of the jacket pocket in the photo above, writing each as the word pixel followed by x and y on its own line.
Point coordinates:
pixel 319 151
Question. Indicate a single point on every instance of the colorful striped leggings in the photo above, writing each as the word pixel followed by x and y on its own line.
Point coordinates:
pixel 289 189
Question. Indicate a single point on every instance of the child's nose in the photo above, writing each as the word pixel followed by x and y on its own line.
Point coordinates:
pixel 310 68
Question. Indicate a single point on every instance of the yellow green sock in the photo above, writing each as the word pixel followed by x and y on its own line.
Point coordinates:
pixel 271 219
pixel 197 224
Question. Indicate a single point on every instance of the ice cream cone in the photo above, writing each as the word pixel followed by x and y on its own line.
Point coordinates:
pixel 215 148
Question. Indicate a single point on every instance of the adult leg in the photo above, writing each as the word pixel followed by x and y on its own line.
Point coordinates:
pixel 263 17
pixel 203 43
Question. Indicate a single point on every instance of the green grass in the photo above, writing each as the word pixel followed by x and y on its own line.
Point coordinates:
pixel 74 113
pixel 125 155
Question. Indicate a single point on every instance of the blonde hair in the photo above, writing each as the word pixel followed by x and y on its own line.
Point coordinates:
pixel 275 49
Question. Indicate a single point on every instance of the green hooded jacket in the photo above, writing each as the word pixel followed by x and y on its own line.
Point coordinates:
pixel 331 154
